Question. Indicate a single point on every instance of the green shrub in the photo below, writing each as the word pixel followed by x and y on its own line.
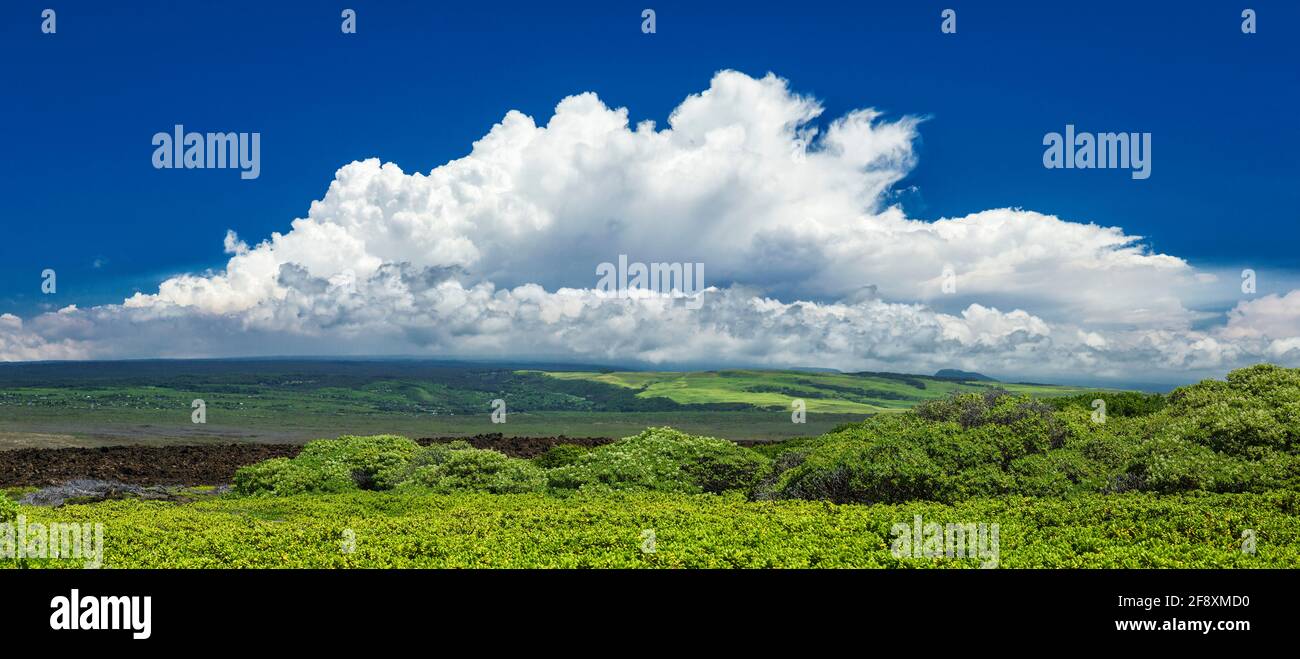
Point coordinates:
pixel 285 477
pixel 426 456
pixel 1113 445
pixel 363 457
pixel 260 478
pixel 950 449
pixel 767 488
pixel 720 471
pixel 1057 473
pixel 477 470
pixel 325 477
pixel 8 509
pixel 848 470
pixel 1237 435
pixel 1278 470
pixel 1122 404
pixel 560 455
pixel 665 460
pixel 839 428
pixel 330 465
pixel 1258 407
pixel 773 450
pixel 1169 464
pixel 1032 425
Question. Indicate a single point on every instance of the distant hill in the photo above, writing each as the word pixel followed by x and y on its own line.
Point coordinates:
pixel 775 389
pixel 954 374
pixel 277 400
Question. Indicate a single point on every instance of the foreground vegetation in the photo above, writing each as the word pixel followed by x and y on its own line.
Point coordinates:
pixel 410 529
pixel 1208 476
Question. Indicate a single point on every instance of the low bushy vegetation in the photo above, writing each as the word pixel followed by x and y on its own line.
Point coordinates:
pixel 658 459
pixel 476 470
pixel 1230 436
pixel 1238 435
pixel 385 462
pixel 422 460
pixel 663 460
pixel 1235 436
pixel 330 465
pixel 418 529
pixel 1118 403
pixel 968 445
pixel 8 509
pixel 560 456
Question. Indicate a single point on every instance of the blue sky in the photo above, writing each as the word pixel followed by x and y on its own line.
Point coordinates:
pixel 420 82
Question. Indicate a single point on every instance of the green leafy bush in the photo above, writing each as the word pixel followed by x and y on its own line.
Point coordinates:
pixel 1057 473
pixel 1237 435
pixel 1169 464
pixel 261 477
pixel 1032 424
pixel 330 465
pixel 1113 446
pixel 956 448
pixel 773 450
pixel 719 471
pixel 665 460
pixel 384 462
pixel 285 477
pixel 426 456
pixel 478 470
pixel 1121 404
pixel 1256 408
pixel 848 470
pixel 363 457
pixel 8 509
pixel 560 456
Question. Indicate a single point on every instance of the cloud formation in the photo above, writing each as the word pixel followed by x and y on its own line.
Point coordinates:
pixel 495 255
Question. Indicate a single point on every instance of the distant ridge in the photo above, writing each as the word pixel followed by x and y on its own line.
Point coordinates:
pixel 954 374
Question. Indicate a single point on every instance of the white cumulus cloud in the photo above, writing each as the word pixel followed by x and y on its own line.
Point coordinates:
pixel 495 254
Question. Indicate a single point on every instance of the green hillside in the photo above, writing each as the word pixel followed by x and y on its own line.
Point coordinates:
pixel 848 393
pixel 149 402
